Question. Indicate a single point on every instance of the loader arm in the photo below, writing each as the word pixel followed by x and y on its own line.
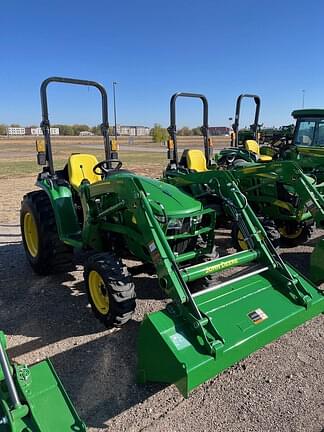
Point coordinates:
pixel 290 174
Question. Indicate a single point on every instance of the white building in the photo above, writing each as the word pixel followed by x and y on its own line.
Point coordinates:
pixel 142 130
pixel 15 131
pixel 38 131
pixel 133 130
pixel 86 133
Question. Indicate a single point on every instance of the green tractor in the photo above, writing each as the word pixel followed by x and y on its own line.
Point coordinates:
pixel 306 145
pixel 112 213
pixel 278 197
pixel 32 398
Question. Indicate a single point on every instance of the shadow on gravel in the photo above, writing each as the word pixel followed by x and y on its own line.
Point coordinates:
pixel 99 374
pixel 300 260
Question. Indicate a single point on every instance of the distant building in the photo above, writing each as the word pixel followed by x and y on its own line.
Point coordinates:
pixel 15 131
pixel 36 131
pixel 133 130
pixel 142 130
pixel 86 133
pixel 219 130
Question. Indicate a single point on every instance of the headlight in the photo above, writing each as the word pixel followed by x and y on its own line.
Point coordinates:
pixel 175 224
pixel 196 220
pixel 160 218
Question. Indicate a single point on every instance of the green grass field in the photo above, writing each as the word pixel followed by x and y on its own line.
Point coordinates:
pixel 134 160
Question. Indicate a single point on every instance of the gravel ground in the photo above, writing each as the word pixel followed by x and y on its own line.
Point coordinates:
pixel 279 388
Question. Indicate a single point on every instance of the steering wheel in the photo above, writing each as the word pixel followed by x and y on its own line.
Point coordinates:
pixel 103 166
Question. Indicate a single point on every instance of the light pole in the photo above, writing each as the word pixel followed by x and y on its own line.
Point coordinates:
pixel 115 116
pixel 303 98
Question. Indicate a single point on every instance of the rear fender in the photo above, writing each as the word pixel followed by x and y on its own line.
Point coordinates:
pixel 65 215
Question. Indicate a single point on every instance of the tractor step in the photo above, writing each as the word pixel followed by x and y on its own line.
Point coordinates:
pixel 248 314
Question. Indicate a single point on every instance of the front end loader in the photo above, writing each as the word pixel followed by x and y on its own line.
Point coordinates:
pixel 32 398
pixel 112 214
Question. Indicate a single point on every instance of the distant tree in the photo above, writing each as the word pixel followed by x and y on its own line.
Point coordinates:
pixel 196 131
pixel 65 129
pixel 96 130
pixel 15 125
pixel 77 128
pixel 185 131
pixel 158 133
pixel 3 129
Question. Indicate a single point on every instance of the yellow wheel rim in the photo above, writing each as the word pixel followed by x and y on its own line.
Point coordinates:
pixel 284 233
pixel 31 234
pixel 98 292
pixel 240 239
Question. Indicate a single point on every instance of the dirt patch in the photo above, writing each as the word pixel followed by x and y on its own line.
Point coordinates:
pixel 279 388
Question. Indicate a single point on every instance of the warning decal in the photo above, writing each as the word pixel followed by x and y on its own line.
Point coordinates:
pixel 257 316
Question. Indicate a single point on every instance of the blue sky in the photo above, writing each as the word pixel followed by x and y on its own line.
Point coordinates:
pixel 155 48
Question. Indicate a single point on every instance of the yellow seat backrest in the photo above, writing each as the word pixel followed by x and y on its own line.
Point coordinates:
pixel 80 167
pixel 252 146
pixel 196 160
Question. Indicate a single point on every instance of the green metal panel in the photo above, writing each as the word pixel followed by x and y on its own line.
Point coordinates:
pixel 42 404
pixel 45 404
pixel 317 263
pixel 171 352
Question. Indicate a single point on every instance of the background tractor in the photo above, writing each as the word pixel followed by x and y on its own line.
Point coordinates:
pixel 110 213
pixel 277 197
pixel 32 398
pixel 306 145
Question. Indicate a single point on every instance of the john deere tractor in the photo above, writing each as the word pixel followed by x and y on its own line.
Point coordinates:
pixel 306 146
pixel 111 213
pixel 278 197
pixel 32 398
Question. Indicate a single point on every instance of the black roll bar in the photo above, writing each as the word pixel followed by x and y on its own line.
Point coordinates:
pixel 45 124
pixel 172 129
pixel 236 123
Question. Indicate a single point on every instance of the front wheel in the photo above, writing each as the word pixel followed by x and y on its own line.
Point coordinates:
pixel 293 234
pixel 110 289
pixel 270 228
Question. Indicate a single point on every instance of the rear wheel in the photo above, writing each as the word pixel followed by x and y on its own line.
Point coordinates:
pixel 270 228
pixel 110 289
pixel 45 251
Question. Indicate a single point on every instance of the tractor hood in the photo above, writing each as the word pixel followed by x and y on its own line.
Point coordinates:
pixel 174 202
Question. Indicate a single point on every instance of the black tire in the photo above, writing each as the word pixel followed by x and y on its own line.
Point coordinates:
pixel 118 287
pixel 51 254
pixel 269 227
pixel 303 234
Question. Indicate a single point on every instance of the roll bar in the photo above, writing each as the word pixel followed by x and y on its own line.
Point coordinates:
pixel 172 129
pixel 45 124
pixel 236 123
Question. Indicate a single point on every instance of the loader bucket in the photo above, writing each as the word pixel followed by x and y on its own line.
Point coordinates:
pixel 248 314
pixel 317 263
pixel 43 405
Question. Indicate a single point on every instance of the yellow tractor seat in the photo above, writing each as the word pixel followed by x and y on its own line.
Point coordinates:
pixel 195 160
pixel 253 147
pixel 80 167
